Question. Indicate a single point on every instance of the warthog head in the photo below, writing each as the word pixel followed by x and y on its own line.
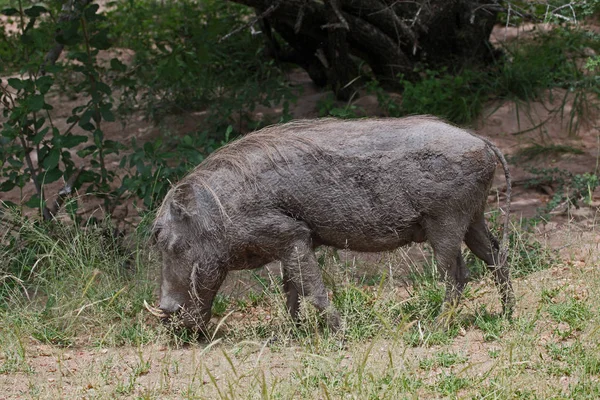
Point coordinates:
pixel 183 232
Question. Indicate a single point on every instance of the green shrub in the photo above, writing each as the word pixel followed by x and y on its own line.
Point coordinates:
pixel 457 98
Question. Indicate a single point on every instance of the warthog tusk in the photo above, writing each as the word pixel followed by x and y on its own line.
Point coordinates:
pixel 157 312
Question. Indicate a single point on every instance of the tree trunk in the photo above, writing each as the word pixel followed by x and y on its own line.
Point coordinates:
pixel 393 37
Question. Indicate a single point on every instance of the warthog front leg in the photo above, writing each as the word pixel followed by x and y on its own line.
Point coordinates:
pixel 446 238
pixel 302 277
pixel 293 299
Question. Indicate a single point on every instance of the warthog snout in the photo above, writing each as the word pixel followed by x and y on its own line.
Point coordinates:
pixel 157 312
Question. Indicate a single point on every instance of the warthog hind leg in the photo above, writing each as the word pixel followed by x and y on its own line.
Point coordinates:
pixel 485 246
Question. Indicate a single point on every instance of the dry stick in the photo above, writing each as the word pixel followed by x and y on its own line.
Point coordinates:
pixel 299 19
pixel 253 21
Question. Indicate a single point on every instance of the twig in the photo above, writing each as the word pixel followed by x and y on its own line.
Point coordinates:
pixel 532 128
pixel 38 187
pixel 398 22
pixel 65 192
pixel 342 23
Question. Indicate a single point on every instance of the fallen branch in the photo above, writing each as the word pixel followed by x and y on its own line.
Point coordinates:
pixel 63 194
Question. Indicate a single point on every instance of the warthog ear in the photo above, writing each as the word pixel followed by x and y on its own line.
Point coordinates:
pixel 178 212
pixel 196 205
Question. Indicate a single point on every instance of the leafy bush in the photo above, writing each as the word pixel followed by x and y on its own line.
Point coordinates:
pixel 184 60
pixel 23 49
pixel 29 128
pixel 177 67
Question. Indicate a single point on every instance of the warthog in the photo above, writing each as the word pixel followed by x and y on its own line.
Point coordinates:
pixel 367 185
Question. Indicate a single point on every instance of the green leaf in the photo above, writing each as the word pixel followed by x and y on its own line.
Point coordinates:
pixel 9 132
pixel 106 112
pixel 104 88
pixel 100 40
pixel 9 12
pixel 87 151
pixel 51 176
pixel 71 141
pixel 37 139
pixel 88 176
pixel 117 65
pixel 148 148
pixel 35 11
pixel 69 33
pixel 98 137
pixel 51 160
pixel 8 204
pixel 35 102
pixel 87 126
pixel 14 162
pixel 43 152
pixel 44 83
pixel 34 202
pixel 7 185
pixel 16 83
pixel 90 11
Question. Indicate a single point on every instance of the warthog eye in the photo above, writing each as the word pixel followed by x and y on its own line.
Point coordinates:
pixel 156 230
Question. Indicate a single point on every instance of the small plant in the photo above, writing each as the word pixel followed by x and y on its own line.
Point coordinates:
pixel 69 280
pixel 571 311
pixel 442 359
pixel 494 353
pixel 29 129
pixel 450 384
pixel 220 304
pixel 569 189
pixel 428 296
pixel 328 106
pixel 492 326
pixel 189 62
pixel 549 295
pixel 526 253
